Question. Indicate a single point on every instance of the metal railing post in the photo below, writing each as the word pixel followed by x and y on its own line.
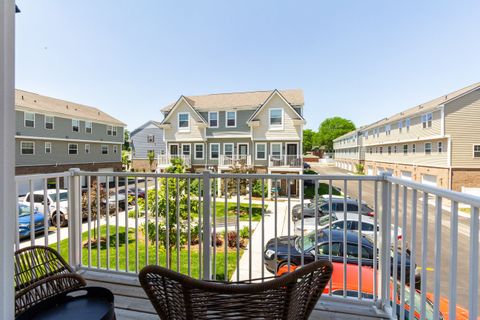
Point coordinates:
pixel 207 237
pixel 74 219
pixel 384 245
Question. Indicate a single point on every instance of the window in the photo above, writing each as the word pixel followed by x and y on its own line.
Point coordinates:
pixel 87 148
pixel 27 147
pixel 104 149
pixel 440 147
pixel 115 149
pixel 407 124
pixel 367 227
pixel 394 149
pixel 260 151
pixel 324 249
pixel 400 125
pixel 276 150
pixel 414 148
pixel 276 118
pixel 352 251
pixel 48 147
pixel 428 148
pixel 365 134
pixel 49 122
pixel 29 119
pixel 388 128
pixel 109 130
pixel 72 148
pixel 214 150
pixel 114 131
pixel 405 149
pixel 231 119
pixel 186 149
pixel 389 150
pixel 150 138
pixel 381 150
pixel 174 149
pixel 476 151
pixel 88 126
pixel 199 151
pixel 213 119
pixel 228 149
pixel 183 121
pixel 427 120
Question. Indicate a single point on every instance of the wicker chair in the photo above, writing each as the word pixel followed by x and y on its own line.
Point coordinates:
pixel 291 296
pixel 41 273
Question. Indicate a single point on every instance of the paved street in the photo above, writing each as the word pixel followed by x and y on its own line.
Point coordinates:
pixel 463 250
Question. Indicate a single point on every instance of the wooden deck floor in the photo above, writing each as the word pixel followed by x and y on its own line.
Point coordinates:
pixel 131 302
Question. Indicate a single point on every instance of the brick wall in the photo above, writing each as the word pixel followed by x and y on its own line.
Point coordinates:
pixel 469 178
pixel 143 165
pixel 117 166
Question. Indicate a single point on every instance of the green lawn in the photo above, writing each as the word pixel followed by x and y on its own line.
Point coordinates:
pixel 244 211
pixel 142 250
pixel 309 192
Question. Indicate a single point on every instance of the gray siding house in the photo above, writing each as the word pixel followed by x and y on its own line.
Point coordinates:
pixel 54 135
pixel 260 129
pixel 148 137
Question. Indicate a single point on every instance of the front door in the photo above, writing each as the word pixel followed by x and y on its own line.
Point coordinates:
pixel 292 149
pixel 173 149
pixel 242 149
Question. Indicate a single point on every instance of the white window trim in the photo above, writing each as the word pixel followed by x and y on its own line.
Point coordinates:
pixel 87 146
pixel 195 151
pixel 45 122
pixel 271 148
pixel 68 149
pixel 78 125
pixel 210 148
pixel 256 150
pixel 473 151
pixel 101 149
pixel 425 147
pixel 25 119
pixel 182 129
pixel 189 149
pixel 21 148
pixel 111 130
pixel 114 131
pixel 51 147
pixel 226 119
pixel 276 126
pixel 91 127
pixel 229 144
pixel 218 119
pixel 242 144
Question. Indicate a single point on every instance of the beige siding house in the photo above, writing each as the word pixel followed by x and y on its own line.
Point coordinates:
pixel 261 130
pixel 437 142
pixel 348 151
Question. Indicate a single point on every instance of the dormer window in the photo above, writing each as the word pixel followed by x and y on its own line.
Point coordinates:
pixel 276 118
pixel 183 121
pixel 231 119
pixel 213 119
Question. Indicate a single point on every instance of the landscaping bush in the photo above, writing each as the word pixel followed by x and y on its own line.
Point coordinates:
pixel 232 240
pixel 257 189
pixel 245 233
pixel 360 168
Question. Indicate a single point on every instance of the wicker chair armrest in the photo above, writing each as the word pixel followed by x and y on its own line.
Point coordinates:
pixel 46 288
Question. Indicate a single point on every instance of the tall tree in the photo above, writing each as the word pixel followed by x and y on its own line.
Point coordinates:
pixel 308 140
pixel 332 128
pixel 126 140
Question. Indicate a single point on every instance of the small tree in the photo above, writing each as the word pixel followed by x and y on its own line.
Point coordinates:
pixel 151 158
pixel 239 167
pixel 126 159
pixel 95 203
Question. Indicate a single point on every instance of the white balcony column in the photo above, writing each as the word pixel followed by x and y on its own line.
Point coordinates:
pixel 7 158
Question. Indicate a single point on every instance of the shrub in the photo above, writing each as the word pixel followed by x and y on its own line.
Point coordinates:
pixel 245 233
pixel 257 188
pixel 232 240
pixel 360 168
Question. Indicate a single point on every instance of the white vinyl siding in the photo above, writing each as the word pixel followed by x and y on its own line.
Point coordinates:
pixel 49 122
pixel 261 151
pixel 27 148
pixel 29 119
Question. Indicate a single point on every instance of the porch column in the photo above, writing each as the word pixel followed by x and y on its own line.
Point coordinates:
pixel 7 157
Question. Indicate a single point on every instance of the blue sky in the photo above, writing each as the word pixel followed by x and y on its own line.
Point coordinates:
pixel 362 60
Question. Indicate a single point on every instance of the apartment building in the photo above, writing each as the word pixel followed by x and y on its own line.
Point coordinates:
pixel 348 150
pixel 148 138
pixel 54 135
pixel 260 129
pixel 437 142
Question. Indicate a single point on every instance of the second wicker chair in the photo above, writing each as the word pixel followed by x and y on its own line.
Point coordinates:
pixel 292 296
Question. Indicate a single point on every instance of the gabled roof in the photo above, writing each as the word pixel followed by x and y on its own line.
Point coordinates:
pixel 427 106
pixel 190 103
pixel 268 99
pixel 29 101
pixel 155 123
pixel 238 100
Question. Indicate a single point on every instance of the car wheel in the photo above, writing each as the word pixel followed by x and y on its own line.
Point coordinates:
pixel 63 221
pixel 285 265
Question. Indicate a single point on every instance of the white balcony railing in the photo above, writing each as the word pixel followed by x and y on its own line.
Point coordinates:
pixel 165 160
pixel 176 226
pixel 233 160
pixel 293 161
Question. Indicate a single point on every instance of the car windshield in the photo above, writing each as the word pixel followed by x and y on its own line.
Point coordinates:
pixel 63 196
pixel 325 220
pixel 308 241
pixel 23 210
pixel 418 303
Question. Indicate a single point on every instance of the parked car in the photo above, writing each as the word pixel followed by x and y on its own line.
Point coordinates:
pixel 52 197
pixel 352 287
pixel 306 166
pixel 322 247
pixel 24 220
pixel 324 208
pixel 338 222
pixel 112 201
pixel 131 194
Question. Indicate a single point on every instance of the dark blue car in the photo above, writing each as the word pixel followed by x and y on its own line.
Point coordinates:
pixel 24 226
